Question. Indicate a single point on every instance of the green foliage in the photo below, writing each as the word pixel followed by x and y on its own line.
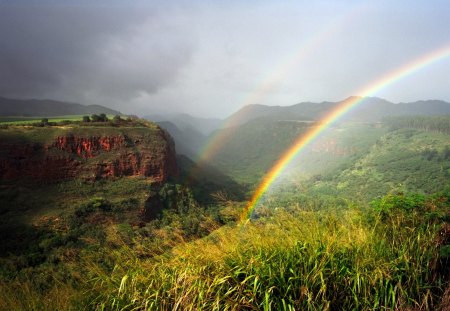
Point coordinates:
pixel 249 151
pixel 439 124
pixel 298 260
pixel 96 203
pixel 83 245
pixel 117 119
pixel 404 160
pixel 390 203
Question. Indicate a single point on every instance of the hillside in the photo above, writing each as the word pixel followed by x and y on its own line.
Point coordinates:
pixel 48 108
pixel 356 165
pixel 141 241
pixel 72 191
pixel 248 151
pixel 251 149
pixel 404 160
pixel 371 109
pixel 352 160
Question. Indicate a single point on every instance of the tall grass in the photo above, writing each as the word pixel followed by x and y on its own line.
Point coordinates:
pixel 24 296
pixel 395 257
pixel 302 261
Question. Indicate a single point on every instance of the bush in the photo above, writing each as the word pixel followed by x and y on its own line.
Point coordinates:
pixel 117 119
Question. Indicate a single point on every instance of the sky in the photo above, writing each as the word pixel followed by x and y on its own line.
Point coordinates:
pixel 210 58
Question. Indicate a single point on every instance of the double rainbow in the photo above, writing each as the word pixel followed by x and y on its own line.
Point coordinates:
pixel 344 107
pixel 275 76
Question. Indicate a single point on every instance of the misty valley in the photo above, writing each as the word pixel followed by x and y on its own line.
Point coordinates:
pixel 122 213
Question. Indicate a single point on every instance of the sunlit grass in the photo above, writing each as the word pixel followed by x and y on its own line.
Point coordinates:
pixel 307 261
pixel 335 259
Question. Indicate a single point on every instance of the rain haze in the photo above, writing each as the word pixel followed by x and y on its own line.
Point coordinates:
pixel 210 58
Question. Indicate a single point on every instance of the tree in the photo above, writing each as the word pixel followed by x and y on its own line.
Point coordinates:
pixel 95 118
pixel 103 117
pixel 86 119
pixel 44 121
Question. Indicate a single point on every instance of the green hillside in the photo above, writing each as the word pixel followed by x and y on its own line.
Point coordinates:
pixel 249 151
pixel 403 160
pixel 360 221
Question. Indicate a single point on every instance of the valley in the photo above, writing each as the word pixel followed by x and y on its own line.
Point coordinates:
pixel 113 215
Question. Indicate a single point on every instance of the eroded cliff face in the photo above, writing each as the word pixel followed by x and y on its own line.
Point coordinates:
pixel 150 154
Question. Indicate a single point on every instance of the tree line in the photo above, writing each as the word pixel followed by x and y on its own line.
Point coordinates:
pixel 440 124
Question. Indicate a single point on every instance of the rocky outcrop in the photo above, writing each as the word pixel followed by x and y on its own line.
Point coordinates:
pixel 88 147
pixel 150 154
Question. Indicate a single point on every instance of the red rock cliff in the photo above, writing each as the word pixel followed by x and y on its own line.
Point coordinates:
pixel 92 157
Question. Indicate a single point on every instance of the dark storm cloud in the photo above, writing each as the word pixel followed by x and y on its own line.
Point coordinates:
pixel 79 52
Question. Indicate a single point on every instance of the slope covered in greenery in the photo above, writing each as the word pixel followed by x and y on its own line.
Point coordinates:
pixel 392 257
pixel 250 150
pixel 400 161
pixel 361 222
pixel 389 258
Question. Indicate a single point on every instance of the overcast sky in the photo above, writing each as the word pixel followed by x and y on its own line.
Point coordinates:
pixel 209 58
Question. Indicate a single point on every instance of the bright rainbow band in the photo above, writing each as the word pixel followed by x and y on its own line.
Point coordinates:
pixel 334 115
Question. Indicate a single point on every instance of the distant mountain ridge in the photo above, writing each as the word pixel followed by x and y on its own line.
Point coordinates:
pixel 371 109
pixel 185 121
pixel 48 108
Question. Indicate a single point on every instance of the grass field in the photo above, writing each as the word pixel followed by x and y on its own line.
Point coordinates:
pixel 28 120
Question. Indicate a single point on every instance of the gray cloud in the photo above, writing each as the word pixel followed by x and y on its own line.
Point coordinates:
pixel 88 52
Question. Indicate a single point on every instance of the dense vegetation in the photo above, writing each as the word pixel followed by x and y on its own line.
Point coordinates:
pixel 251 149
pixel 440 124
pixel 365 225
pixel 389 258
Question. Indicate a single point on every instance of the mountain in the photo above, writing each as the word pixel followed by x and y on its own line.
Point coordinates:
pixel 249 151
pixel 187 141
pixel 303 111
pixel 48 108
pixel 370 109
pixel 405 159
pixel 185 121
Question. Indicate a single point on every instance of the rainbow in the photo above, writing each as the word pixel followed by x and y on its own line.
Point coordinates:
pixel 344 107
pixel 280 72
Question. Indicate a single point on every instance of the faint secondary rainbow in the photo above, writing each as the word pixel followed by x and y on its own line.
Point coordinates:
pixel 272 79
pixel 335 114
